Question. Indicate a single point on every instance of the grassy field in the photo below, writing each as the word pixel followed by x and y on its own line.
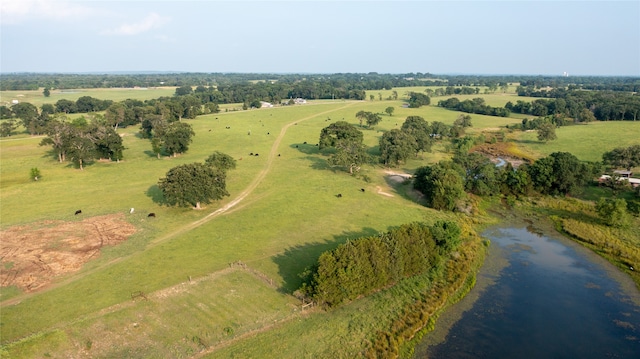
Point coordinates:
pixel 287 215
pixel 115 94
pixel 587 142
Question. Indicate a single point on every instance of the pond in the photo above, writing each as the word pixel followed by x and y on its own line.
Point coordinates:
pixel 550 298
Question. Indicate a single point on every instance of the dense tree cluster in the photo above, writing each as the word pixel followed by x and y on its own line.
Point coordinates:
pixel 82 142
pixel 445 183
pixel 622 157
pixel 476 105
pixel 603 105
pixel 366 264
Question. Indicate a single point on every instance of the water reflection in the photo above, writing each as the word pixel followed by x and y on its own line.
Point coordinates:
pixel 551 301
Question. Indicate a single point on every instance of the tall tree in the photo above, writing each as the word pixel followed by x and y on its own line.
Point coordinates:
pixel 221 161
pixel 349 154
pixel 396 147
pixel 193 184
pixel 176 138
pixel 338 131
pixel 417 127
pixel 389 110
pixel 28 113
pixel 547 132
pixel 623 157
pixel 441 184
pixel 115 114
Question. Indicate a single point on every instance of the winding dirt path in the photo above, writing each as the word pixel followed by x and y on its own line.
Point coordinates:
pixel 186 228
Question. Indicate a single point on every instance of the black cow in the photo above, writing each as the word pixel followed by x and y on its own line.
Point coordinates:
pixel 251 154
pixel 151 215
pixel 361 189
pixel 256 154
pixel 339 195
pixel 278 155
pixel 78 212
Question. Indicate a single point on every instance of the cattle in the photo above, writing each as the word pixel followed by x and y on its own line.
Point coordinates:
pixel 151 215
pixel 278 155
pixel 251 154
pixel 131 210
pixel 296 146
pixel 304 143
pixel 78 212
pixel 256 155
pixel 268 133
pixel 361 189
pixel 339 195
pixel 209 130
pixel 228 127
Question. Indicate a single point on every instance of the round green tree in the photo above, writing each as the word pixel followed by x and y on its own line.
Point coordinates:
pixel 193 184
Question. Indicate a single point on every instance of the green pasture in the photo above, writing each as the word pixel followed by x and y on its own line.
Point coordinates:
pixel 586 141
pixel 36 98
pixel 290 215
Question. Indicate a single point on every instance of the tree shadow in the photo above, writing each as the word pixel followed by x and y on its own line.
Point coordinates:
pixel 151 153
pixel 296 259
pixel 306 148
pixel 155 194
pixel 319 163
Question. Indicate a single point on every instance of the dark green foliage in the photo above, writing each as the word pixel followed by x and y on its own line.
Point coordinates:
pixel 481 176
pixel 338 131
pixel 622 157
pixel 441 184
pixel 476 105
pixel 560 173
pixel 547 132
pixel 221 161
pixel 396 147
pixel 192 184
pixel 613 212
pixel 417 100
pixel 367 264
pixel 7 127
pixel 108 144
pixel 417 127
pixel 176 137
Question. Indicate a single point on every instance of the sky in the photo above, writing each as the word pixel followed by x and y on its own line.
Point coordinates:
pixel 542 37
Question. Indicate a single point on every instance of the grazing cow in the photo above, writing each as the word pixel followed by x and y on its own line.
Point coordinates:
pixel 78 212
pixel 251 154
pixel 339 195
pixel 278 155
pixel 296 146
pixel 209 130
pixel 256 154
pixel 361 189
pixel 268 133
pixel 228 127
pixel 151 215
pixel 131 210
pixel 304 143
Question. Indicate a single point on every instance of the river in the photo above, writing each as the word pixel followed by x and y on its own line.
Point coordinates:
pixel 540 297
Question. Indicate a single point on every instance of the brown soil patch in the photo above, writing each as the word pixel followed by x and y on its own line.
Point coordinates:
pixel 32 256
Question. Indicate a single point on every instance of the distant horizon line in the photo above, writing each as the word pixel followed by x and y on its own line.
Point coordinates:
pixel 156 72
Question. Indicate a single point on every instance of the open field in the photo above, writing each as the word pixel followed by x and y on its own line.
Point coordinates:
pixel 587 142
pixel 115 94
pixel 282 213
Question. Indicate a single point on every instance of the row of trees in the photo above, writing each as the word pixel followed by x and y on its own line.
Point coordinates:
pixel 445 183
pixel 366 264
pixel 603 105
pixel 81 141
pixel 476 105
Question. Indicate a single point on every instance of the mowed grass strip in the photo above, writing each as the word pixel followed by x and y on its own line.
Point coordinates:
pixel 177 321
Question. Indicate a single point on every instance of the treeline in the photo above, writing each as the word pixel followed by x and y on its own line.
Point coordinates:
pixel 446 183
pixel 476 105
pixel 364 265
pixel 602 105
pixel 364 81
pixel 368 81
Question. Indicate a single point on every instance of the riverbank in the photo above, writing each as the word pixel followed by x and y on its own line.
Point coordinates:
pixel 534 215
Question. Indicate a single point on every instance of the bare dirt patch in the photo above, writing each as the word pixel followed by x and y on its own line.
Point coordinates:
pixel 31 256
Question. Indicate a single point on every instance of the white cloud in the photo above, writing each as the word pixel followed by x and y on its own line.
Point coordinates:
pixel 152 21
pixel 17 11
